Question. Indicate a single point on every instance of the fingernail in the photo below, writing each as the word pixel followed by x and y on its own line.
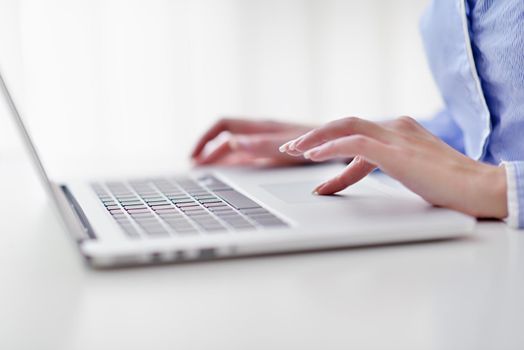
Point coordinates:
pixel 308 154
pixel 283 148
pixel 316 191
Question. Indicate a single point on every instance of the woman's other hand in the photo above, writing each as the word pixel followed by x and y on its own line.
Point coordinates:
pixel 248 142
pixel 403 149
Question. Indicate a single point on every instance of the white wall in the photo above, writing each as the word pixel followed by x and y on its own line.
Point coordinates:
pixel 126 78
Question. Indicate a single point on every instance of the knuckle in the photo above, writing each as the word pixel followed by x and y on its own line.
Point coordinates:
pixel 331 148
pixel 350 121
pixel 227 120
pixel 405 122
pixel 222 121
pixel 361 141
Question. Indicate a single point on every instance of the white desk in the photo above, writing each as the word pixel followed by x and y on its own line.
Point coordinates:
pixel 466 294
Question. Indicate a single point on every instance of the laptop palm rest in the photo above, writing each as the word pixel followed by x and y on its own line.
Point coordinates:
pixel 301 192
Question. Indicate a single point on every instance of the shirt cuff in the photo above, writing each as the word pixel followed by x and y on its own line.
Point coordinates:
pixel 514 207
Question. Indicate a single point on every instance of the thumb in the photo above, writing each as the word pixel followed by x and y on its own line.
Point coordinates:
pixel 354 172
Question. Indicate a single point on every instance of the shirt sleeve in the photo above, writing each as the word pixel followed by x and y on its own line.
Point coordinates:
pixel 443 126
pixel 515 193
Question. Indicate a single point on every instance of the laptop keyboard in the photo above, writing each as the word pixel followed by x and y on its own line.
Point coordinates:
pixel 169 207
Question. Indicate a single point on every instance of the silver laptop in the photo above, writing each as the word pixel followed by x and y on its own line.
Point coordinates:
pixel 218 213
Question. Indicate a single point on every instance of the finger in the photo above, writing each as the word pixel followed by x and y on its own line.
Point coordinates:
pixel 235 159
pixel 258 146
pixel 354 172
pixel 215 155
pixel 215 130
pixel 373 151
pixel 239 126
pixel 265 145
pixel 264 148
pixel 244 159
pixel 337 129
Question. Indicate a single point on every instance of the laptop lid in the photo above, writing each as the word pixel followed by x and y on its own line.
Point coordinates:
pixel 13 110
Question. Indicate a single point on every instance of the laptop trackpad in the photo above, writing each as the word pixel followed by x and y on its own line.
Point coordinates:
pixel 301 192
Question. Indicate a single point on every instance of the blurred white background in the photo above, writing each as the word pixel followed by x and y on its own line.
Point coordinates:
pixel 139 79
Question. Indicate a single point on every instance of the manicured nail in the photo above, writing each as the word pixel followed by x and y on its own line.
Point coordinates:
pixel 292 145
pixel 308 154
pixel 283 148
pixel 316 191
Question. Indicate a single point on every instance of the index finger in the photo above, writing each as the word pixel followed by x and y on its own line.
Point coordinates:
pixel 336 129
pixel 240 126
pixel 234 125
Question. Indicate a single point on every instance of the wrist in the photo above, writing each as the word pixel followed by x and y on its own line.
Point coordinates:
pixel 491 189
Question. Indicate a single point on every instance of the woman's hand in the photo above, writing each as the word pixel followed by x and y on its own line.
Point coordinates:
pixel 248 142
pixel 403 149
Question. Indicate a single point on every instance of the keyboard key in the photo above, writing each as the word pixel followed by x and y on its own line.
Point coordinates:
pixel 206 195
pixel 170 214
pixel 134 206
pixel 213 183
pixel 213 228
pixel 237 200
pixel 211 201
pixel 159 203
pixel 140 215
pixel 182 227
pixel 183 201
pixel 226 213
pixel 164 207
pixel 138 210
pixel 255 211
pixel 188 205
pixel 156 200
pixel 126 196
pixel 217 206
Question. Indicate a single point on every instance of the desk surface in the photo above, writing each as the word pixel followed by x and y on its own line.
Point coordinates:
pixel 461 294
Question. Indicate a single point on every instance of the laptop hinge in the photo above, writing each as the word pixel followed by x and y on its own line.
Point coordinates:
pixel 87 230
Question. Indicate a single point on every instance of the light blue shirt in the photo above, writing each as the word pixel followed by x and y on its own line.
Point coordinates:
pixel 475 49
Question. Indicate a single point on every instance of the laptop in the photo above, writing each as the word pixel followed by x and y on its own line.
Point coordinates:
pixel 216 213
